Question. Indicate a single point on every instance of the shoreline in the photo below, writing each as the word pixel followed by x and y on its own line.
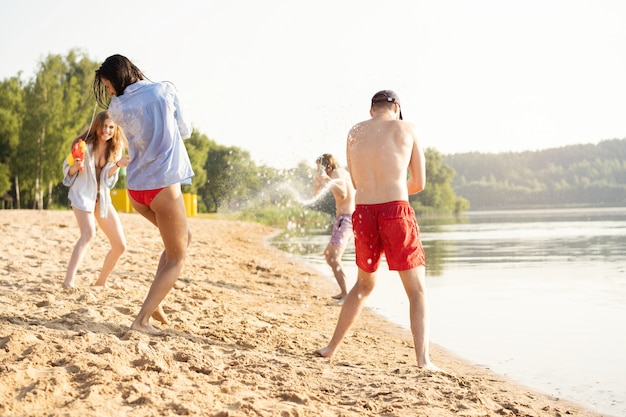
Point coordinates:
pixel 245 321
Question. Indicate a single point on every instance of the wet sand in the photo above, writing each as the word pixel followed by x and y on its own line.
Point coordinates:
pixel 245 320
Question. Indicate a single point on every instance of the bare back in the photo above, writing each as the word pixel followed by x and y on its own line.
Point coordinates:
pixel 343 191
pixel 379 153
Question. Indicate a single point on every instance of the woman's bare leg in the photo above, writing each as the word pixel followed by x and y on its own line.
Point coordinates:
pixel 170 216
pixel 87 226
pixel 158 314
pixel 352 306
pixel 112 228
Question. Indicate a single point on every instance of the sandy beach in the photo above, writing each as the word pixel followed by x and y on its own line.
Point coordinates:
pixel 245 321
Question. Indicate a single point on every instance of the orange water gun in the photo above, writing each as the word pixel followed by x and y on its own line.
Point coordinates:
pixel 78 151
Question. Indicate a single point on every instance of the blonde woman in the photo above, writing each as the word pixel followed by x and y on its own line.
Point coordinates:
pixel 90 179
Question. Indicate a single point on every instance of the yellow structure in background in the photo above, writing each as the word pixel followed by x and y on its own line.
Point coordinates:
pixel 121 202
pixel 191 204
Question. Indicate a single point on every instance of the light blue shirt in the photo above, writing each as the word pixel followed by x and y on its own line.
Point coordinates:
pixel 153 122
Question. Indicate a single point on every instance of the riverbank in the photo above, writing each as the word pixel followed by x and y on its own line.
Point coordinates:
pixel 245 320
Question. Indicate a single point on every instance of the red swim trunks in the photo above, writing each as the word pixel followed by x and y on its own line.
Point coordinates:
pixel 390 228
pixel 144 197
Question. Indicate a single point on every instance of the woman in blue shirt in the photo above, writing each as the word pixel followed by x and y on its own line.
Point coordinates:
pixel 152 119
pixel 90 179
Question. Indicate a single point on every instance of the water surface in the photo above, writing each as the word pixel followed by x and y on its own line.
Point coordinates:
pixel 538 296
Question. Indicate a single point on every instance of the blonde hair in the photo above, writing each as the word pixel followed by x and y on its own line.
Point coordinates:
pixel 114 146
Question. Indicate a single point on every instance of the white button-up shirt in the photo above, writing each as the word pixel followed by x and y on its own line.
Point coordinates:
pixel 153 122
pixel 84 187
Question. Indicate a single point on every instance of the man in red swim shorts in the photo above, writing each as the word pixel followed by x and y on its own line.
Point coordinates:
pixel 380 151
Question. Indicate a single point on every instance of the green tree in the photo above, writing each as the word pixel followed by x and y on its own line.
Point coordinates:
pixel 11 111
pixel 197 146
pixel 580 175
pixel 438 195
pixel 57 106
pixel 231 175
pixel 5 182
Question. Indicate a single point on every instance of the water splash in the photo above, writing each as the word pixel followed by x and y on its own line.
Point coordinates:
pixel 307 202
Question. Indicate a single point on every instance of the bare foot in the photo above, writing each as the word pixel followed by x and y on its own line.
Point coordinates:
pixel 68 284
pixel 431 367
pixel 339 296
pixel 336 303
pixel 324 352
pixel 148 328
pixel 160 316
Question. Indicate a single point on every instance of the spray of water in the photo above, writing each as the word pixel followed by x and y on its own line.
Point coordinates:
pixel 297 211
pixel 303 201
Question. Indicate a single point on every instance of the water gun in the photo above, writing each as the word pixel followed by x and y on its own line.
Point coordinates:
pixel 78 151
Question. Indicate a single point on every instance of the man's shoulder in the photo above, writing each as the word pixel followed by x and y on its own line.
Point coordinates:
pixel 361 124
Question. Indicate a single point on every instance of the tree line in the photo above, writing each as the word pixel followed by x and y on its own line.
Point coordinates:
pixel 40 117
pixel 570 176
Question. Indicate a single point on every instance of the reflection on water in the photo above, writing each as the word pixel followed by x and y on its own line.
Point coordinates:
pixel 312 242
pixel 539 296
pixel 501 237
pixel 523 237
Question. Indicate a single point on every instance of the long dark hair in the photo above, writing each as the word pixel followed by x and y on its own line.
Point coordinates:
pixel 120 72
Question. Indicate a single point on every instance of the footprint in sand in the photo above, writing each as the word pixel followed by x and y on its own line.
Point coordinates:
pixel 124 310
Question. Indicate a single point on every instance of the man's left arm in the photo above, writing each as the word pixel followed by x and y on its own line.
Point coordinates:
pixel 417 168
pixel 339 186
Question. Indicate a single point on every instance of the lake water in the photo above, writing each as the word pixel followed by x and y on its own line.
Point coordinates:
pixel 537 295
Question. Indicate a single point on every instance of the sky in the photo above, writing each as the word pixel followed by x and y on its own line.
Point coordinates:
pixel 286 79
